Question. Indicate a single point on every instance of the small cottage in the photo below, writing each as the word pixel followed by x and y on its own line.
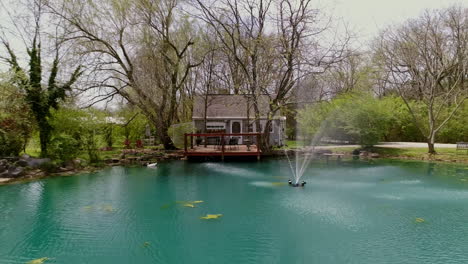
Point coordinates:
pixel 229 113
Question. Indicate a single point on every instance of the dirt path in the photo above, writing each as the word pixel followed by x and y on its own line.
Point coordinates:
pixel 395 145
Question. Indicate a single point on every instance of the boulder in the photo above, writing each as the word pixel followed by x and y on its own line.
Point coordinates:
pixel 374 155
pixel 11 159
pixel 17 172
pixel 21 163
pixel 322 151
pixel 5 174
pixel 25 156
pixel 35 163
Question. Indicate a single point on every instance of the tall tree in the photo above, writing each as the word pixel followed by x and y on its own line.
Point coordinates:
pixel 425 61
pixel 40 97
pixel 138 50
pixel 271 45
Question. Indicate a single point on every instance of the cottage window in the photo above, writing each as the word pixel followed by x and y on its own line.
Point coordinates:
pixel 215 126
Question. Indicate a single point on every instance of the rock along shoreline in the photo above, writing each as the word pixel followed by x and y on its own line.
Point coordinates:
pixel 25 168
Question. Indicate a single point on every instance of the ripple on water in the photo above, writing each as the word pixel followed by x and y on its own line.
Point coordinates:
pixel 233 170
pixel 343 215
pixel 388 197
pixel 329 208
pixel 266 184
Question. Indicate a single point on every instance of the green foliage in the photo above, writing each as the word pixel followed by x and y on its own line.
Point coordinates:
pixel 10 143
pixel 456 128
pixel 76 128
pixel 39 99
pixel 15 124
pixel 108 134
pixel 64 147
pixel 353 117
pixel 177 131
pixel 366 120
pixel 49 167
pixel 132 125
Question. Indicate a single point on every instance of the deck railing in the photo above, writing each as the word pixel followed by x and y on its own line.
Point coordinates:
pixel 189 143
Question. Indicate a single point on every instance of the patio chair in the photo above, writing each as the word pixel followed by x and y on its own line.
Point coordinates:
pixel 234 143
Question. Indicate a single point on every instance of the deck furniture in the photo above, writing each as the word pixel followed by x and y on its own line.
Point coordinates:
pixel 233 143
pixel 462 146
pixel 213 147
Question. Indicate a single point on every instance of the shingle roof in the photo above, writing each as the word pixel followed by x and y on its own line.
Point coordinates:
pixel 228 106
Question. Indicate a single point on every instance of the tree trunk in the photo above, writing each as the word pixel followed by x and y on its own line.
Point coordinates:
pixel 44 136
pixel 430 144
pixel 265 142
pixel 165 138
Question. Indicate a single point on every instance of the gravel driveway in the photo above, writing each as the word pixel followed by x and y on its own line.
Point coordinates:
pixel 396 145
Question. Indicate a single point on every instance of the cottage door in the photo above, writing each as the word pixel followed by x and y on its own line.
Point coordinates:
pixel 236 127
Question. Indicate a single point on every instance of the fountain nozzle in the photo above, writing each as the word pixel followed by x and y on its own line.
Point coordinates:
pixel 302 184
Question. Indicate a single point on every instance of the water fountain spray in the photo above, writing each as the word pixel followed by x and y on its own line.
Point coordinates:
pixel 301 164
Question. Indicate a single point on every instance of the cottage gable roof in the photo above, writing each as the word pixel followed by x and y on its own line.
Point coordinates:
pixel 228 106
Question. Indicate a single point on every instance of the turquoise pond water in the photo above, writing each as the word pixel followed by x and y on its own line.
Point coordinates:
pixel 353 212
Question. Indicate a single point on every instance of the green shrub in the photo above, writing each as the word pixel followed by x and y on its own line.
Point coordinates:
pixel 64 147
pixel 10 144
pixel 49 167
pixel 357 118
pixel 177 131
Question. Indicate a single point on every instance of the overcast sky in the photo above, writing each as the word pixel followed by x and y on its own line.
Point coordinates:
pixel 368 17
pixel 365 17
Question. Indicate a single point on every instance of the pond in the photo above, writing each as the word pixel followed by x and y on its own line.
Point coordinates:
pixel 351 212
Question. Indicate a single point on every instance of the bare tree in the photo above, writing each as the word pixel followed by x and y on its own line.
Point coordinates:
pixel 138 50
pixel 271 45
pixel 40 97
pixel 426 61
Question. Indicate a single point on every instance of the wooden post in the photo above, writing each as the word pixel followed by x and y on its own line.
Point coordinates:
pixel 191 141
pixel 258 149
pixel 222 148
pixel 185 142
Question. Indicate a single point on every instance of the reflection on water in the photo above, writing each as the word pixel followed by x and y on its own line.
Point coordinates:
pixel 181 212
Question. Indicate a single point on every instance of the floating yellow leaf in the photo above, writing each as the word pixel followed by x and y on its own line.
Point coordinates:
pixel 38 261
pixel 188 205
pixel 211 216
pixel 280 177
pixel 420 220
pixel 108 208
pixel 146 244
pixel 165 206
pixel 196 202
pixel 88 208
pixel 278 183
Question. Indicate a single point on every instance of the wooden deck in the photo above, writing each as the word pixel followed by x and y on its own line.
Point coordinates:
pixel 215 150
pixel 222 150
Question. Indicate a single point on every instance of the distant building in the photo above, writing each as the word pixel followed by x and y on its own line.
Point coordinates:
pixel 228 114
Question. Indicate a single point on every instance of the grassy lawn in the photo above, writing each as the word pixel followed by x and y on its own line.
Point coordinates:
pixel 293 144
pixel 443 154
pixel 33 149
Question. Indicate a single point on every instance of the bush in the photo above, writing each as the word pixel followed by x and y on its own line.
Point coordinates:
pixel 49 167
pixel 177 131
pixel 64 147
pixel 10 143
pixel 357 118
